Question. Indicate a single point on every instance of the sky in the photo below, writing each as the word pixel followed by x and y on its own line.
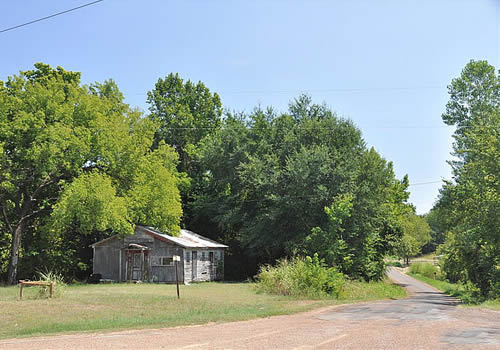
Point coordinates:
pixel 384 64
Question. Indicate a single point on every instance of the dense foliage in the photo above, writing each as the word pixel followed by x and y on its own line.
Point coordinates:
pixel 301 181
pixel 307 276
pixel 426 269
pixel 470 204
pixel 416 234
pixel 75 162
pixel 78 164
pixel 184 113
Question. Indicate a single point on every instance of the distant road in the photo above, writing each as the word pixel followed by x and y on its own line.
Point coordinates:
pixel 428 319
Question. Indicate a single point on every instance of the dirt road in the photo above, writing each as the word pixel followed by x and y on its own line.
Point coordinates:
pixel 427 319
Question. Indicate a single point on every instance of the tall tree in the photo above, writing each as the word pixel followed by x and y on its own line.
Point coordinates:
pixel 472 200
pixel 269 177
pixel 185 112
pixel 53 130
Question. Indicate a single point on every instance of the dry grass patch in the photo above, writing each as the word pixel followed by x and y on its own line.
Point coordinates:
pixel 121 306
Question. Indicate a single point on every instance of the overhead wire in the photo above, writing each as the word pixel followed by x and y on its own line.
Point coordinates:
pixel 278 197
pixel 50 16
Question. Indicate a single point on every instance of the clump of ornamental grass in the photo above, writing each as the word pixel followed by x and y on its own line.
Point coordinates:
pixel 51 277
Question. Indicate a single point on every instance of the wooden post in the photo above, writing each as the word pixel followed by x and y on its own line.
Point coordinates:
pixel 21 291
pixel 51 289
pixel 142 265
pixel 177 258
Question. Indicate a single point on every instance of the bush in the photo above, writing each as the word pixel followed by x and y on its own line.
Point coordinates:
pixel 394 263
pixel 425 269
pixel 300 277
pixel 59 287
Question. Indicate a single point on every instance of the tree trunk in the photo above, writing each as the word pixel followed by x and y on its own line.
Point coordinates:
pixel 14 252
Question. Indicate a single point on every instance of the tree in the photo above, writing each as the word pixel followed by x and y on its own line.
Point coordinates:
pixel 185 113
pixel 77 153
pixel 416 233
pixel 439 222
pixel 472 199
pixel 267 179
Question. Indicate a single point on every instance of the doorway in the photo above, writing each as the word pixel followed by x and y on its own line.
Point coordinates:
pixel 137 265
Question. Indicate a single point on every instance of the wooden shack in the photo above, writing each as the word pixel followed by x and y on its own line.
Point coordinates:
pixel 147 256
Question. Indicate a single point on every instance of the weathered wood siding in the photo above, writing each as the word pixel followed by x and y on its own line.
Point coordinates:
pixel 166 273
pixel 107 260
pixel 139 237
pixel 205 269
pixel 111 262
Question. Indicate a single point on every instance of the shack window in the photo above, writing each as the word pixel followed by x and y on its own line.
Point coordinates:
pixel 202 256
pixel 211 256
pixel 162 261
pixel 188 256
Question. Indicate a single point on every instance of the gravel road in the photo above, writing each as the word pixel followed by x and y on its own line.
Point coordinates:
pixel 427 319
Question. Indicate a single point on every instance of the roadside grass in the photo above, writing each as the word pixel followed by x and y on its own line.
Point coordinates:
pixel 86 308
pixel 456 290
pixel 354 291
pixel 428 256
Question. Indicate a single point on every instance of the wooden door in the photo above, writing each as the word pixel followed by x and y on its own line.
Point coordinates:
pixel 137 266
pixel 194 266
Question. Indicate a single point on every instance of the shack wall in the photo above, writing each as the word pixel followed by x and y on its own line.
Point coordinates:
pixel 205 269
pixel 110 260
pixel 166 273
pixel 106 260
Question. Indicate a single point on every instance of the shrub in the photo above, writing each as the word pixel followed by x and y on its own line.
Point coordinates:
pixel 425 269
pixel 300 276
pixel 49 276
pixel 394 263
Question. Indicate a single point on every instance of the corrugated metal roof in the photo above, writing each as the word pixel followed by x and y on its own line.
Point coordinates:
pixel 188 239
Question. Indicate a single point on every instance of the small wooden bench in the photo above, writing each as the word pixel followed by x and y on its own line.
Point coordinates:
pixel 36 283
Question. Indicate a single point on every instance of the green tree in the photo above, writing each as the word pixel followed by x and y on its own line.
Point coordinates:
pixel 416 233
pixel 267 179
pixel 472 200
pixel 185 113
pixel 79 150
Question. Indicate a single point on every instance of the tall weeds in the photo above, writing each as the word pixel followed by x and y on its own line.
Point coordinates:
pixel 300 276
pixel 51 277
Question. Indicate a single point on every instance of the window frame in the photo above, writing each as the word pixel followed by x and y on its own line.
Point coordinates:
pixel 160 260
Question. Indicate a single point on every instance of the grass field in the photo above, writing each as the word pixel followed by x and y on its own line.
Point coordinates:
pixel 121 306
pixel 455 290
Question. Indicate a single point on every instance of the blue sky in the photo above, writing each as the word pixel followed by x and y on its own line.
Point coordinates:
pixel 384 64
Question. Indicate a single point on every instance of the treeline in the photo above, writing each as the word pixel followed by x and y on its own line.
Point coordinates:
pixel 466 218
pixel 77 165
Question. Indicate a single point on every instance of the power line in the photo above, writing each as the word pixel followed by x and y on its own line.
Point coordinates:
pixel 324 128
pixel 50 16
pixel 279 197
pixel 425 183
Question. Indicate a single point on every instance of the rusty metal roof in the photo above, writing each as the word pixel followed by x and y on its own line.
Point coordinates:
pixel 187 239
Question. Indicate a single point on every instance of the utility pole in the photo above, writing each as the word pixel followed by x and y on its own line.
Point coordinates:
pixel 176 259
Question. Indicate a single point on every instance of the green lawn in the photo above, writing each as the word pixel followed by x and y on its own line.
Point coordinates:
pixel 455 290
pixel 121 306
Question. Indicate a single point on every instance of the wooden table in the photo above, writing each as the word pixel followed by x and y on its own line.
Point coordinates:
pixel 36 283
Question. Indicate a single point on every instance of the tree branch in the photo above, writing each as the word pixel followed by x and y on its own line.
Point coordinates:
pixel 47 181
pixel 7 221
pixel 33 214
